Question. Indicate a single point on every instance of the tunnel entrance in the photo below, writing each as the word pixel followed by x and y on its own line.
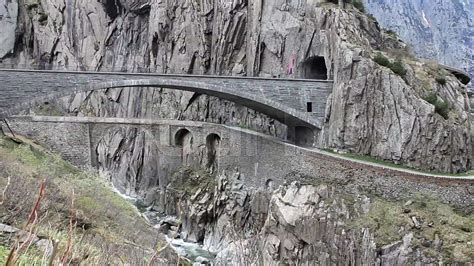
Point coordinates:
pixel 212 147
pixel 304 136
pixel 315 68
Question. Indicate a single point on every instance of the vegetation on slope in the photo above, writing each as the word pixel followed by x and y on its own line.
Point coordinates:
pixel 187 181
pixel 396 66
pixel 106 229
pixel 441 106
pixel 438 230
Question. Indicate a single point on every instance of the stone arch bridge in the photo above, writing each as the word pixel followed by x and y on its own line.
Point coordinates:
pixel 261 160
pixel 293 102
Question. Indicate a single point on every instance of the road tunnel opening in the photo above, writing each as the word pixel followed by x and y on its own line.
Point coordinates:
pixel 315 68
pixel 304 136
pixel 212 146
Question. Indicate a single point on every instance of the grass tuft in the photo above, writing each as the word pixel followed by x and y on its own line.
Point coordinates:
pixel 441 106
pixel 397 67
pixel 105 221
pixel 441 80
pixel 390 221
pixel 382 60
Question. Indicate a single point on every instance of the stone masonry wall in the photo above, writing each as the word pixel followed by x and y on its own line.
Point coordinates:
pixel 71 141
pixel 262 161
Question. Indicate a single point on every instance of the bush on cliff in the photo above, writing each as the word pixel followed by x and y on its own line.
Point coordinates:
pixel 441 106
pixel 397 66
pixel 441 80
pixel 382 60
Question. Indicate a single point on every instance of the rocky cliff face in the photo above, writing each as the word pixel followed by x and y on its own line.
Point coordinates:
pixel 372 110
pixel 437 29
pixel 309 223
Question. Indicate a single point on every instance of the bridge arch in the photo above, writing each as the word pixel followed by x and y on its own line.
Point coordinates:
pixel 184 139
pixel 180 136
pixel 212 147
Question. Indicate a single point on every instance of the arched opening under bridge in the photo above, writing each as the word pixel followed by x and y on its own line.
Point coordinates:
pixel 212 146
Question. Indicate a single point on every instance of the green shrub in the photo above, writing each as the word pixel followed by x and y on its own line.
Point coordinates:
pixel 441 80
pixel 382 60
pixel 441 106
pixel 392 33
pixel 431 98
pixel 359 5
pixel 398 68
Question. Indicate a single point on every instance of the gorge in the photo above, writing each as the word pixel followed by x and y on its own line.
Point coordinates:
pixel 246 183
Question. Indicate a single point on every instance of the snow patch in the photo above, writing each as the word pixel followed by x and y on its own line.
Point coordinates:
pixel 425 20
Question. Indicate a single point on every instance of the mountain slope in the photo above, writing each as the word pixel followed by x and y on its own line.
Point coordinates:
pixel 435 29
pixel 103 224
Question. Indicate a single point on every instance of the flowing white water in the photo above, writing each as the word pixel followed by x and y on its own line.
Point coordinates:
pixel 192 251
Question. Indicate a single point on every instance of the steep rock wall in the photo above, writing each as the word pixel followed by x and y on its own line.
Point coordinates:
pixel 309 223
pixel 372 110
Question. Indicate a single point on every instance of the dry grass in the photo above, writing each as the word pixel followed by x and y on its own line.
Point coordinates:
pixel 92 225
